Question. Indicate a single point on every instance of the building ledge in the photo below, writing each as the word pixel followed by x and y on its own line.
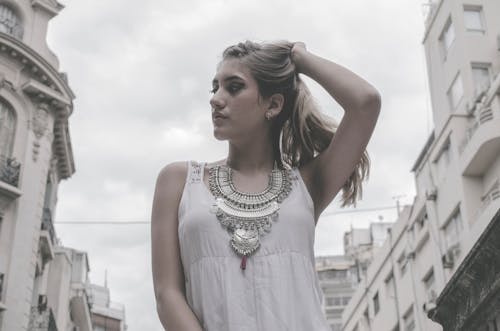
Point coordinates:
pixel 472 295
pixel 482 149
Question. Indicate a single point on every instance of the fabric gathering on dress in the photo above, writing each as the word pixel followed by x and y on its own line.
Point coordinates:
pixel 278 290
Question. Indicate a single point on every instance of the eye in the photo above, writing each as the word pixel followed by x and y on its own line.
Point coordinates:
pixel 233 88
pixel 213 90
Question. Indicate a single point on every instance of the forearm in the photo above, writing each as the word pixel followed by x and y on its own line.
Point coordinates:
pixel 175 314
pixel 350 90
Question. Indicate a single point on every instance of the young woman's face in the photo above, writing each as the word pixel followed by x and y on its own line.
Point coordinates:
pixel 238 112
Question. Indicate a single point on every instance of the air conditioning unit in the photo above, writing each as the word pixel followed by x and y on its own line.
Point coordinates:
pixel 431 194
pixel 428 306
pixel 448 259
pixel 470 106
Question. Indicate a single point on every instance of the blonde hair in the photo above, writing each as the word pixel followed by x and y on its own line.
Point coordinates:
pixel 300 132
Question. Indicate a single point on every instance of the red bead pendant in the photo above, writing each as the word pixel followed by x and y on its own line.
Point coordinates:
pixel 243 262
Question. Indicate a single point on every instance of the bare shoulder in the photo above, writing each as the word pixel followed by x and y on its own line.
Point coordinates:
pixel 171 179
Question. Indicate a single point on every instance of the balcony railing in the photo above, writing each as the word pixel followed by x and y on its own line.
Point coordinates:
pixel 481 116
pixel 9 170
pixel 48 225
pixel 492 194
pixel 42 319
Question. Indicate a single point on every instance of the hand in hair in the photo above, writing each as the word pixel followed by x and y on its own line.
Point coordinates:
pixel 296 53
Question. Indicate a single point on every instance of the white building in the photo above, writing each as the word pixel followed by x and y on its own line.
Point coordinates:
pixel 457 174
pixel 338 280
pixel 35 155
pixel 106 314
pixel 339 275
pixel 43 286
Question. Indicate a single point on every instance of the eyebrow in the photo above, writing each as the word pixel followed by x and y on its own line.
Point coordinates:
pixel 233 77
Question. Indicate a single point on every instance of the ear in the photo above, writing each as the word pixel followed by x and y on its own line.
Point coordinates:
pixel 275 104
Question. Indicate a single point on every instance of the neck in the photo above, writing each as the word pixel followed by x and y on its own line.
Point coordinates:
pixel 251 157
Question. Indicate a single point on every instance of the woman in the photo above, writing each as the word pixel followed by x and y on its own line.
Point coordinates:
pixel 232 245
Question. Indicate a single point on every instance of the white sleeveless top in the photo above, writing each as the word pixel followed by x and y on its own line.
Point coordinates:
pixel 279 289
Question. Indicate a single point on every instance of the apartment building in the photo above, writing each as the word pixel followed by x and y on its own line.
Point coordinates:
pixel 106 314
pixel 445 242
pixel 339 275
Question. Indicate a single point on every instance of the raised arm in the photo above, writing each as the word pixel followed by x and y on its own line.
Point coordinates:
pixel 168 276
pixel 326 174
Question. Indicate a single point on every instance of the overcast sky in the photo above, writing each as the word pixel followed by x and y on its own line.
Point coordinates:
pixel 141 72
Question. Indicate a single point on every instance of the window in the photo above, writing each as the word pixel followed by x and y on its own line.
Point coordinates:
pixel 1 285
pixel 473 18
pixel 429 285
pixel 447 36
pixel 389 286
pixel 7 124
pixel 409 320
pixel 402 261
pixel 333 301
pixel 333 275
pixel 443 160
pixel 455 92
pixel 481 75
pixel 376 303
pixel 336 327
pixel 452 229
pixel 421 221
pixel 10 22
pixel 366 318
pixel 333 313
pixel 337 301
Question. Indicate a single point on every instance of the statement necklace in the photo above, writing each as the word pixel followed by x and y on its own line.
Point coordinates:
pixel 247 215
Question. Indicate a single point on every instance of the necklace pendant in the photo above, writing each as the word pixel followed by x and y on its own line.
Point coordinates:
pixel 244 241
pixel 243 264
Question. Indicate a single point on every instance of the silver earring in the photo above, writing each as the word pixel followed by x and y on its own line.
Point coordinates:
pixel 268 115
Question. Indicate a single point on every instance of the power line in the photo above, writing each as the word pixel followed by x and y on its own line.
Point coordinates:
pixel 120 221
pixel 357 210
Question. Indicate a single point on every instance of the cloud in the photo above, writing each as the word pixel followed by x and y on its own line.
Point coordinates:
pixel 141 74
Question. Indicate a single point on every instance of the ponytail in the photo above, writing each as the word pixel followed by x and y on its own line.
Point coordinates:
pixel 300 132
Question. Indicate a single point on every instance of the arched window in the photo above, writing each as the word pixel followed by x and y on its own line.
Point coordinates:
pixel 7 126
pixel 10 23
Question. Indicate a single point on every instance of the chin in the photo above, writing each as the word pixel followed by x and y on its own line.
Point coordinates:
pixel 219 135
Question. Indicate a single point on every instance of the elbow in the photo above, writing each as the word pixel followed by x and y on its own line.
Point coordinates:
pixel 372 102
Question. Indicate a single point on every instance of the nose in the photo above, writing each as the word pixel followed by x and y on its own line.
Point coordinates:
pixel 216 101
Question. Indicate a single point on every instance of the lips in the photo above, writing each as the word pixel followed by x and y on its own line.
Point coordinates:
pixel 216 116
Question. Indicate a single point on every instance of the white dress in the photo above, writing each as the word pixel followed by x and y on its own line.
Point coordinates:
pixel 279 289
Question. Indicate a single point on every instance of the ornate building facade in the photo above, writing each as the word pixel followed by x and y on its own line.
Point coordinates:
pixel 35 155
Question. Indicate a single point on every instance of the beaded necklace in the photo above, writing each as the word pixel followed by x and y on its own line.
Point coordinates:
pixel 247 215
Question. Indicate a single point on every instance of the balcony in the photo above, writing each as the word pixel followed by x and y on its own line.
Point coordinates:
pixel 42 318
pixel 9 177
pixel 9 170
pixel 81 307
pixel 490 204
pixel 481 144
pixel 47 237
